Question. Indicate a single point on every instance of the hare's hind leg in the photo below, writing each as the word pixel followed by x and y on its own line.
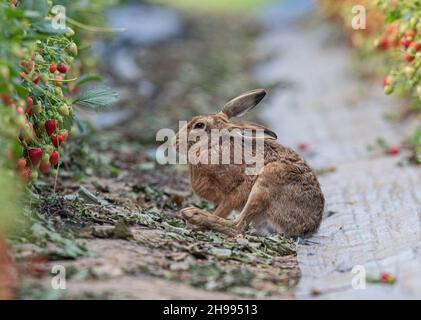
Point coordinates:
pixel 205 220
pixel 256 206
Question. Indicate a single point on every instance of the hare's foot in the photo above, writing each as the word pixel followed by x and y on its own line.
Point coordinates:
pixel 189 217
pixel 204 219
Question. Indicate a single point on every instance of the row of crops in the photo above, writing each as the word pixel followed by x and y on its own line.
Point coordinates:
pixel 392 34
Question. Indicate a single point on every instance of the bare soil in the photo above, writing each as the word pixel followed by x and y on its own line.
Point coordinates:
pixel 113 218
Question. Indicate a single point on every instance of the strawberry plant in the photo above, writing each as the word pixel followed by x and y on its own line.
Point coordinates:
pixel 404 47
pixel 37 81
pixel 393 34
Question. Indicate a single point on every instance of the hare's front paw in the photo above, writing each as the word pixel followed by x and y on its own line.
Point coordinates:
pixel 194 215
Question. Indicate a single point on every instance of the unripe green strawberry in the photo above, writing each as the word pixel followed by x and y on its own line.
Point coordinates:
pixel 413 82
pixel 44 77
pixel 419 91
pixel 388 89
pixel 21 103
pixel 45 158
pixel 409 71
pixel 413 22
pixel 37 109
pixel 39 58
pixel 49 150
pixel 4 72
pixel 72 131
pixel 34 175
pixel 20 121
pixel 17 51
pixel 70 32
pixel 58 91
pixel 64 110
pixel 73 49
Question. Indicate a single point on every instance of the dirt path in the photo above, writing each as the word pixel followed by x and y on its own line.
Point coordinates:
pixel 373 210
pixel 114 222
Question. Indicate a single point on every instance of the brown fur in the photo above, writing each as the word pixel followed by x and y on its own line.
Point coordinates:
pixel 285 196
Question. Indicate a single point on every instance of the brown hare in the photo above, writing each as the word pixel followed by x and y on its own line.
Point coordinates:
pixel 284 197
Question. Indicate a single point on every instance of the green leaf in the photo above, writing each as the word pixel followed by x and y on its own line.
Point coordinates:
pixel 21 90
pixel 393 15
pixel 97 97
pixel 415 140
pixel 44 26
pixel 35 8
pixel 88 78
pixel 13 13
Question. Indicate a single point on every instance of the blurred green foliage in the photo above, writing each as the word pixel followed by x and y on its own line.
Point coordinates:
pixel 9 184
pixel 218 5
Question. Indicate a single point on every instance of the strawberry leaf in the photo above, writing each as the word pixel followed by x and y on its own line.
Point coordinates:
pixel 88 78
pixel 96 98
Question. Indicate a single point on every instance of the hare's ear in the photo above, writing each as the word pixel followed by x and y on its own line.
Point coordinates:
pixel 243 103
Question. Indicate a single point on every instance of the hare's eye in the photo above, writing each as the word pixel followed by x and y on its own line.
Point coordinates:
pixel 199 125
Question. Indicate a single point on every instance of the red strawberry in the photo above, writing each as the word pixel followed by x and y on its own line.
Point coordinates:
pixel 20 164
pixel 55 156
pixel 27 65
pixel 29 102
pixel 386 81
pixel 410 33
pixel 57 140
pixel 25 174
pixel 404 42
pixel 28 111
pixel 62 68
pixel 35 155
pixel 50 126
pixel 408 57
pixel 393 150
pixel 36 79
pixel 58 80
pixel 53 68
pixel 44 167
pixel 386 277
pixel 415 46
pixel 6 100
pixel 19 110
pixel 30 127
pixel 303 146
pixel 384 44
